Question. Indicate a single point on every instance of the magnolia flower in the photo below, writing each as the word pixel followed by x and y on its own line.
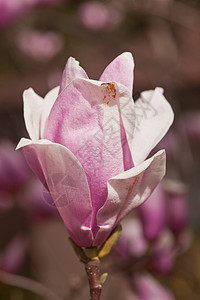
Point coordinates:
pixel 88 142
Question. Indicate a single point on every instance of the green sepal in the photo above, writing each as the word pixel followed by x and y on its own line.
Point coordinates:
pixel 110 242
pixel 103 278
pixel 79 252
pixel 91 253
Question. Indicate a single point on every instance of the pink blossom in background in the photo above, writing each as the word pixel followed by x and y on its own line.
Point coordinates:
pixel 132 243
pixel 6 200
pixel 14 171
pixel 148 288
pixel 189 125
pixel 157 233
pixel 152 214
pixel 171 144
pixel 176 206
pixel 13 255
pixel 96 15
pixel 38 203
pixel 164 253
pixel 86 149
pixel 19 188
pixel 165 208
pixel 41 46
pixel 11 10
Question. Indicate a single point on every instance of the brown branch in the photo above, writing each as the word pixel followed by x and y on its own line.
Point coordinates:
pixel 92 270
pixel 181 14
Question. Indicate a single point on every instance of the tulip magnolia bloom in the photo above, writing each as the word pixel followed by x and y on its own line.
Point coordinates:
pixel 88 145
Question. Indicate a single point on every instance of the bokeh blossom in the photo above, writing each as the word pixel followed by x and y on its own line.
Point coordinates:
pixel 10 10
pixel 41 46
pixel 85 147
pixel 14 171
pixel 95 15
pixel 21 201
pixel 148 288
pixel 158 233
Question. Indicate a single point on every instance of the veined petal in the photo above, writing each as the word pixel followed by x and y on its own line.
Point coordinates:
pixel 61 172
pixel 36 111
pixel 33 105
pixel 86 118
pixel 48 103
pixel 154 116
pixel 72 70
pixel 127 191
pixel 120 70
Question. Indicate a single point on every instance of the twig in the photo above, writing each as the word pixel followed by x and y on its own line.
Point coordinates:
pixel 181 14
pixel 28 284
pixel 92 270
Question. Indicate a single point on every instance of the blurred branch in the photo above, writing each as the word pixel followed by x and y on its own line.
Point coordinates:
pixel 181 14
pixel 27 284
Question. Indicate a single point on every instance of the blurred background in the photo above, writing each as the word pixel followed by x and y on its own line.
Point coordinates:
pixel 36 38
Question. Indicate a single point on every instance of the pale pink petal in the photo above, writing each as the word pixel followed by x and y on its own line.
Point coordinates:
pixel 67 183
pixel 154 116
pixel 33 105
pixel 86 118
pixel 72 70
pixel 120 70
pixel 127 111
pixel 127 191
pixel 36 111
pixel 153 214
pixel 48 103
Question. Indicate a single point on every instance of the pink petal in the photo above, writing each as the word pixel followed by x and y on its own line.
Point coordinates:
pixel 120 70
pixel 154 116
pixel 127 191
pixel 86 118
pixel 66 181
pixel 72 71
pixel 36 111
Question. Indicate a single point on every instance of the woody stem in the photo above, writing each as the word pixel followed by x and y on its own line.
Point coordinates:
pixel 92 270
